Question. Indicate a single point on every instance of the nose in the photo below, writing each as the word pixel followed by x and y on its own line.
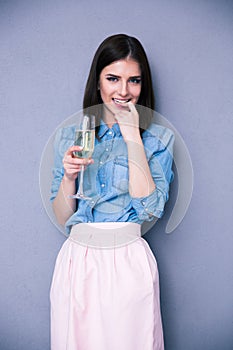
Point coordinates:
pixel 123 88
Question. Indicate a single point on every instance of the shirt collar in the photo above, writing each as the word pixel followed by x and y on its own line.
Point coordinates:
pixel 103 129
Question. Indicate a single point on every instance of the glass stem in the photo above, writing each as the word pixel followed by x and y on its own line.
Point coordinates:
pixel 80 188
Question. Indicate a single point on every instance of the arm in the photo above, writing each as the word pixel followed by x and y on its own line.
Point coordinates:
pixel 150 171
pixel 63 206
pixel 141 183
pixel 64 183
pixel 139 171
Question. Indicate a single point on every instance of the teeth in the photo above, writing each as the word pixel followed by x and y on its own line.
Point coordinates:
pixel 120 101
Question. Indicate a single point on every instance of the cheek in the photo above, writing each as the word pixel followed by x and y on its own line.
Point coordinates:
pixel 136 92
pixel 102 93
pixel 105 91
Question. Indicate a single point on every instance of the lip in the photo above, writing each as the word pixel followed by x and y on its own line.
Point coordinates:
pixel 121 101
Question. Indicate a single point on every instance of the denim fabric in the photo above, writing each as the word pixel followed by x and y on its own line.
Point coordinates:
pixel 106 181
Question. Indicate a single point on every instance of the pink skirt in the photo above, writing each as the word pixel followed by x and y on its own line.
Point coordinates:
pixel 105 291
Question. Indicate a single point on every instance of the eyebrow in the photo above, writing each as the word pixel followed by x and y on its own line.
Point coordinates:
pixel 117 76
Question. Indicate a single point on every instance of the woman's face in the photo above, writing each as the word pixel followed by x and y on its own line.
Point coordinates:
pixel 120 82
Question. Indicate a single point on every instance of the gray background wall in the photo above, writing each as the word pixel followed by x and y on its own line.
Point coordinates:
pixel 46 49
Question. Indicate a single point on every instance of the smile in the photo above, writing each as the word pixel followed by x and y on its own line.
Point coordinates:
pixel 121 102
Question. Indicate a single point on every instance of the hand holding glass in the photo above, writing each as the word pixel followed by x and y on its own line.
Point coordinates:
pixel 85 138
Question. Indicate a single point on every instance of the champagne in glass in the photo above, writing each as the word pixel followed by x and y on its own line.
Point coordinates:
pixel 84 137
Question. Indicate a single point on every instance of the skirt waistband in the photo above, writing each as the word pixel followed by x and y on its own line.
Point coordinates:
pixel 105 235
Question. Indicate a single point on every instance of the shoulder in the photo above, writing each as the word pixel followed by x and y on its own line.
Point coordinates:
pixel 65 132
pixel 158 137
pixel 158 131
pixel 64 138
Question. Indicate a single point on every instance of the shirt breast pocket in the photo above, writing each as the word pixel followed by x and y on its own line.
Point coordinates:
pixel 64 145
pixel 120 179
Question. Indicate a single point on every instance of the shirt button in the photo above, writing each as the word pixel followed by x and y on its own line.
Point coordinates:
pixel 102 185
pixel 89 221
pixel 143 203
pixel 110 133
pixel 107 149
pixel 101 162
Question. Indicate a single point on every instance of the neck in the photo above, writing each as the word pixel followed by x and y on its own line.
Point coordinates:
pixel 108 117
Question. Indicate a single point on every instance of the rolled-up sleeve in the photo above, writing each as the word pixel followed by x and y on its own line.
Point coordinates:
pixel 159 150
pixel 58 170
pixel 63 140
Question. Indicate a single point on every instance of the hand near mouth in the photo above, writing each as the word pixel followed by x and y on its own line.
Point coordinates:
pixel 113 109
pixel 121 103
pixel 128 120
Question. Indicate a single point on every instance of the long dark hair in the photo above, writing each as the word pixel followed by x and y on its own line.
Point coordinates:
pixel 114 48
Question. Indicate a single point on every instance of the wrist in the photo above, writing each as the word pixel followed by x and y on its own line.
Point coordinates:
pixel 136 138
pixel 68 179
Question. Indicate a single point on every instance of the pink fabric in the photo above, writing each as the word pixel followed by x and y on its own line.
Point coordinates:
pixel 105 299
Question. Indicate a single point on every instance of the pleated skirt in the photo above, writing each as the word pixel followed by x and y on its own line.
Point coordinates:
pixel 105 291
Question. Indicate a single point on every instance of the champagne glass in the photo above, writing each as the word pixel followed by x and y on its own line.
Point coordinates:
pixel 84 137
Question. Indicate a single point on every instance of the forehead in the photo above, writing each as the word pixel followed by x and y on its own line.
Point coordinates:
pixel 122 67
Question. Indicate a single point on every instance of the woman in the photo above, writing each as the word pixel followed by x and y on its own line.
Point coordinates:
pixel 105 288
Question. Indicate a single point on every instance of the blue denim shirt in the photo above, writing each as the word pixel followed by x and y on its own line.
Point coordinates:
pixel 106 181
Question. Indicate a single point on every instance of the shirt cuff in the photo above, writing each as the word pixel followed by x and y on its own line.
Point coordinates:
pixel 150 206
pixel 57 178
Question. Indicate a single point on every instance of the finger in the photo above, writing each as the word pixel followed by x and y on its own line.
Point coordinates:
pixel 114 110
pixel 122 114
pixel 73 171
pixel 82 161
pixel 72 162
pixel 132 107
pixel 124 117
pixel 73 149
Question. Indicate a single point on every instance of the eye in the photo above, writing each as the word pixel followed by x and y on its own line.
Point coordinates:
pixel 135 80
pixel 113 79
